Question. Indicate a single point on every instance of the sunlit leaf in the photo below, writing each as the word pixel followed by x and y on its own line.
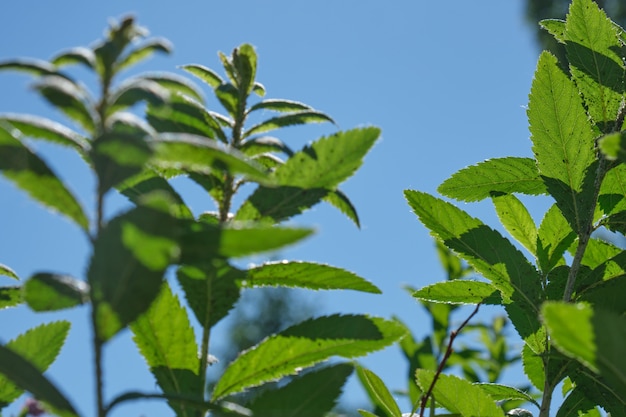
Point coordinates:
pixel 228 96
pixel 8 272
pixel 142 52
pixel 275 204
pixel 264 144
pixel 501 392
pixel 10 297
pixel 185 115
pixel 77 55
pixel 166 340
pixel 134 91
pixel 613 146
pixel 282 106
pixel 30 173
pixel 244 61
pixel 556 27
pixel 338 199
pixel 49 292
pixel 30 66
pixel 515 217
pixel 309 275
pixel 205 74
pixel 554 237
pixel 41 128
pixel 460 292
pixel 304 345
pixel 458 395
pixel 313 394
pixel 500 175
pixel 176 84
pixel 291 119
pixel 378 392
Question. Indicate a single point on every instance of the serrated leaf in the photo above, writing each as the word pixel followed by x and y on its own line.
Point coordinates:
pixel 201 241
pixel 291 119
pixel 130 257
pixel 176 84
pixel 8 272
pixel 616 222
pixel 516 219
pixel 304 345
pixel 490 254
pixel 264 144
pixel 338 199
pixel 77 55
pixel 50 292
pixel 29 65
pixel 612 197
pixel 592 336
pixel 595 63
pixel 70 99
pixel 134 91
pixel 211 289
pixel 378 392
pixel 554 237
pixel 42 128
pixel 458 395
pixel 184 115
pixel 313 394
pixel 142 52
pixel 501 175
pixel 10 297
pixel 205 74
pixel 460 292
pixel 244 61
pixel 30 173
pixel 576 403
pixel 613 146
pixel 192 154
pixel 282 106
pixel 309 275
pixel 328 161
pixel 28 377
pixel 597 388
pixel 34 351
pixel 275 204
pixel 556 27
pixel 563 141
pixel 167 342
pixel 501 392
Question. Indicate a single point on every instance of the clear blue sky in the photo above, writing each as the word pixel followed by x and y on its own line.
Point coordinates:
pixel 446 81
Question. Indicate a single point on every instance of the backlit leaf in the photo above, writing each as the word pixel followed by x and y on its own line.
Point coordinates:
pixel 554 237
pixel 275 204
pixel 134 91
pixel 176 84
pixel 517 220
pixel 291 119
pixel 556 27
pixel 30 173
pixel 313 394
pixel 264 144
pixel 338 199
pixel 77 55
pixel 304 345
pixel 306 275
pixel 460 292
pixel 184 115
pixel 613 146
pixel 49 292
pixel 10 297
pixel 378 392
pixel 283 106
pixel 501 392
pixel 500 175
pixel 142 52
pixel 205 74
pixel 8 272
pixel 244 60
pixel 41 128
pixel 458 395
pixel 562 140
pixel 30 66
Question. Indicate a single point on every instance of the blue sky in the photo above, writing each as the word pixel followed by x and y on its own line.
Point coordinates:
pixel 446 81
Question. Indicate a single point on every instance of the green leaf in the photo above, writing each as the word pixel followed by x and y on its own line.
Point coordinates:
pixel 593 51
pixel 130 257
pixel 563 141
pixel 328 161
pixel 458 395
pixel 613 146
pixel 460 292
pixel 554 237
pixel 142 52
pixel 490 254
pixel 500 175
pixel 366 413
pixel 41 128
pixel 501 392
pixel 264 144
pixel 556 27
pixel 176 84
pixel 70 99
pixel 34 351
pixel 8 272
pixel 275 204
pixel 134 91
pixel 282 106
pixel 378 392
pixel 203 73
pixel 244 61
pixel 291 119
pixel 338 199
pixel 29 378
pixel 592 336
pixel 10 297
pixel 304 345
pixel 36 67
pixel 616 222
pixel 192 154
pixel 227 63
pixel 313 394
pixel 50 292
pixel 309 275
pixel 27 171
pixel 206 241
pixel 184 115
pixel 167 342
pixel 118 156
pixel 612 198
pixel 77 55
pixel 577 403
pixel 516 220
pixel 211 289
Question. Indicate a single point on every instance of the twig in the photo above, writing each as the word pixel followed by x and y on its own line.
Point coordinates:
pixel 449 351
